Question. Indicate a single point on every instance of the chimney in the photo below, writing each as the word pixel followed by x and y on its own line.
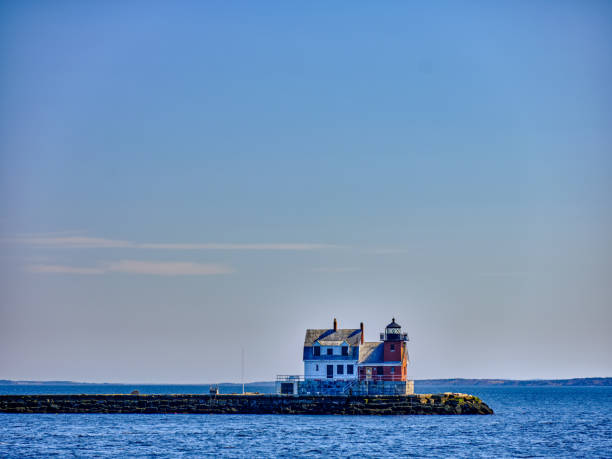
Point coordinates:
pixel 362 337
pixel 335 324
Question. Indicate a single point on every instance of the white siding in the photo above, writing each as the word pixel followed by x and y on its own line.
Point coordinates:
pixel 317 368
pixel 311 372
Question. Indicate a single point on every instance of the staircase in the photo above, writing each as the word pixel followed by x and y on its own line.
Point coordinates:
pixel 348 386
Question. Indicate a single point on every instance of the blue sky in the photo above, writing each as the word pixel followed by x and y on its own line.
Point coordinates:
pixel 167 169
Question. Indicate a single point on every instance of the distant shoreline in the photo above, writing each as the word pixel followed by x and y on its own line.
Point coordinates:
pixel 590 382
pixel 583 382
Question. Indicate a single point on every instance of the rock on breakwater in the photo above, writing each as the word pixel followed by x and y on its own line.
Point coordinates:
pixel 446 403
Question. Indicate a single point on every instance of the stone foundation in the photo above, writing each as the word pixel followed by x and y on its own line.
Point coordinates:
pixel 355 387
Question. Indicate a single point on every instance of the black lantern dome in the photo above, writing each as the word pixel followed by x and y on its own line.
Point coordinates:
pixel 393 332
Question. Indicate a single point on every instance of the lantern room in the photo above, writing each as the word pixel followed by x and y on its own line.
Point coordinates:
pixel 393 332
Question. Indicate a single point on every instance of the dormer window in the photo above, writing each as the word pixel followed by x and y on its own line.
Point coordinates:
pixel 317 351
pixel 345 350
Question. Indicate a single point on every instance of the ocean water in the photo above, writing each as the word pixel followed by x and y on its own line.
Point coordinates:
pixel 528 422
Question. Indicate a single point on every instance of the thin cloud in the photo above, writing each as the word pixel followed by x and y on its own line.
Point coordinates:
pixel 335 269
pixel 157 268
pixel 168 268
pixel 60 269
pixel 71 242
pixel 54 233
pixel 504 274
pixel 86 242
pixel 238 246
pixel 388 251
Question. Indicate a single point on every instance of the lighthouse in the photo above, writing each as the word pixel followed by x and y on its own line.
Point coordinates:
pixel 338 361
pixel 395 357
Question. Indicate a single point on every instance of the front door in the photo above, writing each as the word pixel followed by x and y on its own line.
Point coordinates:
pixel 330 371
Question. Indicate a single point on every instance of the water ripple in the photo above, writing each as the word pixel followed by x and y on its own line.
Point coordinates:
pixel 529 422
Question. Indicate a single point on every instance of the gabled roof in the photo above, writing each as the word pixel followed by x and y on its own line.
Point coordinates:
pixel 329 337
pixel 372 352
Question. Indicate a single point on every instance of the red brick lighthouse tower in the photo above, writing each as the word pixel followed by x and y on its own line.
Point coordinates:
pixel 395 356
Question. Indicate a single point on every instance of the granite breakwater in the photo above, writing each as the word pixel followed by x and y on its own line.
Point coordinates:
pixel 446 403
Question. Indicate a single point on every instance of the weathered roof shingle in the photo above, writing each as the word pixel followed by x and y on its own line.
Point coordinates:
pixel 371 352
pixel 329 337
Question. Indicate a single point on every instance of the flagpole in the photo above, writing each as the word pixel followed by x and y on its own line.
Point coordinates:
pixel 242 369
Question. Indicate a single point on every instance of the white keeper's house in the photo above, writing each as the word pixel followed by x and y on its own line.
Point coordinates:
pixel 332 353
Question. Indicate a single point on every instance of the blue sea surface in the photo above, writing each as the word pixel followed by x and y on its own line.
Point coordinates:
pixel 528 422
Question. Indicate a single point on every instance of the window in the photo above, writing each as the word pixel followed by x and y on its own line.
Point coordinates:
pixel 349 369
pixel 379 370
pixel 392 347
pixel 317 351
pixel 392 370
pixel 344 350
pixel 330 351
pixel 340 369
